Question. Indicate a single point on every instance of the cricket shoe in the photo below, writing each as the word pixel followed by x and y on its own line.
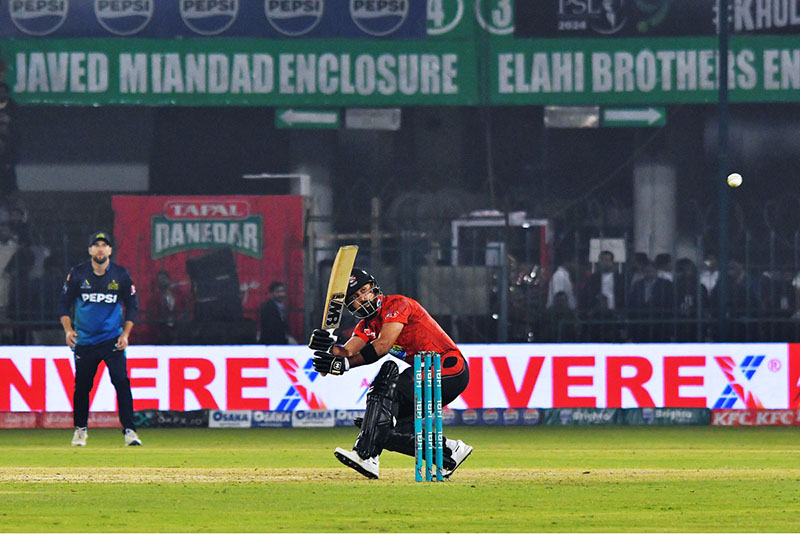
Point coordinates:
pixel 79 437
pixel 131 439
pixel 458 454
pixel 369 467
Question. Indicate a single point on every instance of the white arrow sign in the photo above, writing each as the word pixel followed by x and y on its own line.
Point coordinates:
pixel 647 116
pixel 293 117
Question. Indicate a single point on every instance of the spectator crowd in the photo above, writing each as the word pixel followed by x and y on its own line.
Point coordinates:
pixel 656 300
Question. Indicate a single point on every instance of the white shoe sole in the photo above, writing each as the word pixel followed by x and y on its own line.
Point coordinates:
pixel 469 451
pixel 354 465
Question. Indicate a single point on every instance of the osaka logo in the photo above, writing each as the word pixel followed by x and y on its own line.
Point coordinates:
pixel 42 17
pixel 378 17
pixel 294 17
pixel 209 17
pixel 123 17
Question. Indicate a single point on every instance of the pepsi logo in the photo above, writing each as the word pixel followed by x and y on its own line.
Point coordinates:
pixel 531 416
pixel 123 17
pixel 469 417
pixel 490 416
pixel 209 17
pixel 294 17
pixel 510 416
pixel 38 17
pixel 378 17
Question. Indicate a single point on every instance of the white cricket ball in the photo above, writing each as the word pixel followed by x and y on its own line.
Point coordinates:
pixel 734 179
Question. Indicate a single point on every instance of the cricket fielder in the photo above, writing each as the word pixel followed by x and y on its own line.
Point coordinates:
pixel 99 288
pixel 400 326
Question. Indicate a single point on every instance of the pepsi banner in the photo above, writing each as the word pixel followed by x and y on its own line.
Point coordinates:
pixel 259 19
pixel 581 377
pixel 652 18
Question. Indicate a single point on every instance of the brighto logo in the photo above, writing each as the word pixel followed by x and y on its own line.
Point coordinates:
pixel 378 17
pixel 38 17
pixel 209 17
pixel 294 17
pixel 123 17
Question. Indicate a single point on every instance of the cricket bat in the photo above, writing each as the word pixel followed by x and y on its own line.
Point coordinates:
pixel 337 287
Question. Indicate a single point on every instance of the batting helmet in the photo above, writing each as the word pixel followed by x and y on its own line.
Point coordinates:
pixel 363 310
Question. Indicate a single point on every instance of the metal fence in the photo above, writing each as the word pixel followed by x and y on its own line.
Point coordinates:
pixel 483 282
pixel 483 292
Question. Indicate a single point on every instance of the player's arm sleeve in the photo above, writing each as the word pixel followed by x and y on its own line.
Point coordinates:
pixel 129 299
pixel 358 332
pixel 69 292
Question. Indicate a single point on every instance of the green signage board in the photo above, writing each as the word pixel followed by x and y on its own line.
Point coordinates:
pixel 467 60
pixel 642 71
pixel 241 72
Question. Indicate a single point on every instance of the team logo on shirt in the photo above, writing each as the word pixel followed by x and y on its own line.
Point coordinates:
pixel 109 298
pixel 392 314
pixel 86 285
pixel 113 286
pixel 397 351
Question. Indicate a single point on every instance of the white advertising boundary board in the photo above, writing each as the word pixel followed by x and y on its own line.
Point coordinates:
pixel 257 377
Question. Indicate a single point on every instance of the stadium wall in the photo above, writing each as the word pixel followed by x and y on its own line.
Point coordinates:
pixel 518 376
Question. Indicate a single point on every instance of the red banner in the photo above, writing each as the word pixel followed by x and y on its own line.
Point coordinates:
pixel 794 375
pixel 18 419
pixel 160 233
pixel 755 417
pixel 64 420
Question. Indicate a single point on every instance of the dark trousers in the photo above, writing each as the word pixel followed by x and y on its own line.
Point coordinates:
pixel 401 439
pixel 87 358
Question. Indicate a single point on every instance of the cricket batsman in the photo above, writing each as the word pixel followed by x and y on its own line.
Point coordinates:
pixel 400 326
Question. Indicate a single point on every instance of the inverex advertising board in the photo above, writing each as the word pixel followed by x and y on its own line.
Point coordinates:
pixel 254 377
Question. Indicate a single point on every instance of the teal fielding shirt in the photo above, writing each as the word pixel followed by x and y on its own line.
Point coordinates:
pixel 98 302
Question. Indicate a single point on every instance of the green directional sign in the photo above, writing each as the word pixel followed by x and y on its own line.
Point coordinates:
pixel 634 117
pixel 306 118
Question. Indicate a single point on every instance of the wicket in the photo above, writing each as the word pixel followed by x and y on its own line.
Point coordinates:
pixel 428 440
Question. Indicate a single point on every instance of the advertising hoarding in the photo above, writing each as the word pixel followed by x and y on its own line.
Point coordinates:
pixel 253 377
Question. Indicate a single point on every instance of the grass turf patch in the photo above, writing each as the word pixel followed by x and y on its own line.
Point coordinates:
pixel 688 479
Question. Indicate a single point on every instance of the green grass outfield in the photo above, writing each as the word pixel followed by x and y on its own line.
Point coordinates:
pixel 519 479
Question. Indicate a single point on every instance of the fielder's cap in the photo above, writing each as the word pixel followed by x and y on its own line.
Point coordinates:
pixel 101 236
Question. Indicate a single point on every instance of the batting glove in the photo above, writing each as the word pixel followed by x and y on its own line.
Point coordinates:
pixel 327 363
pixel 321 340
